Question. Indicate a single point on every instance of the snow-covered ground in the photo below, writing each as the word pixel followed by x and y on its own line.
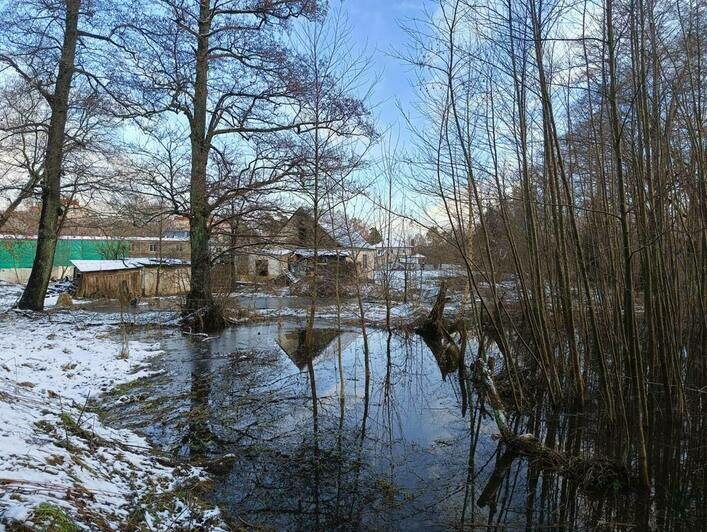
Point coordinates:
pixel 10 294
pixel 415 276
pixel 57 460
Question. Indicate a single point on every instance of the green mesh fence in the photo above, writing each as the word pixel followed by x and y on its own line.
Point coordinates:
pixel 16 253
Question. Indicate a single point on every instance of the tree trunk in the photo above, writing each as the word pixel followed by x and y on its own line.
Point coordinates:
pixel 49 221
pixel 200 295
pixel 204 315
pixel 632 352
pixel 596 475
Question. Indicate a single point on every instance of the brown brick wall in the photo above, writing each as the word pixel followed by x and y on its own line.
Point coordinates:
pixel 151 248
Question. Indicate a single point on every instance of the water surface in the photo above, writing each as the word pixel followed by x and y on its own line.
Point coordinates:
pixel 302 439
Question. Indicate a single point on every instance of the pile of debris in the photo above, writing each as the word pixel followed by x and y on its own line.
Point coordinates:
pixel 65 286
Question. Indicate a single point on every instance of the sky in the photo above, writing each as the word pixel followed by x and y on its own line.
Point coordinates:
pixel 377 29
pixel 377 33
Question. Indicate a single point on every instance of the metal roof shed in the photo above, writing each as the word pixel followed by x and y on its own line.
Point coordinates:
pixel 146 277
pixel 107 278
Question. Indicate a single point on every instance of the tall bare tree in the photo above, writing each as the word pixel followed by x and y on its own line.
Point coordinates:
pixel 39 42
pixel 335 102
pixel 220 67
pixel 56 50
pixel 559 150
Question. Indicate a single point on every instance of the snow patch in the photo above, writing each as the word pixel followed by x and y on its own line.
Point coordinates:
pixel 53 450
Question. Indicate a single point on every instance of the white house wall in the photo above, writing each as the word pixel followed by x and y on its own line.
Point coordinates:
pixel 21 275
pixel 276 266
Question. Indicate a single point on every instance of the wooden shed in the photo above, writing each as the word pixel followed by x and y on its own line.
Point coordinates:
pixel 166 278
pixel 104 278
pixel 141 277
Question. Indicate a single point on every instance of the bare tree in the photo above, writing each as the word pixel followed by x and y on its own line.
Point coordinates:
pixel 556 151
pixel 26 30
pixel 53 48
pixel 23 124
pixel 221 69
pixel 334 102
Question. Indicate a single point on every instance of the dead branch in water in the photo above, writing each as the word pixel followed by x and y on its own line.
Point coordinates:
pixel 438 336
pixel 593 475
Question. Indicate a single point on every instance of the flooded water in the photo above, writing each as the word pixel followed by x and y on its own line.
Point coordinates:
pixel 298 439
pixel 392 454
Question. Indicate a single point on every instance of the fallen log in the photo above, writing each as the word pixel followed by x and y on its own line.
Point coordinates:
pixel 595 476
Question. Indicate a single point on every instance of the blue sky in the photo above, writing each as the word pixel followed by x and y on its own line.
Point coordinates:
pixel 376 27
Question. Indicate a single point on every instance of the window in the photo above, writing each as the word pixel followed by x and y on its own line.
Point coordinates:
pixel 365 261
pixel 261 268
pixel 153 247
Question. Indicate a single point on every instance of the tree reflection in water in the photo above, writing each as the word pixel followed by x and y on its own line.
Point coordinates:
pixel 198 438
pixel 307 438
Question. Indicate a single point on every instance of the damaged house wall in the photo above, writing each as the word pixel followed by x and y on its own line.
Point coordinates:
pixel 294 244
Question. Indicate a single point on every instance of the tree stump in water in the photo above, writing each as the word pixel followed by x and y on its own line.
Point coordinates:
pixel 206 319
pixel 438 336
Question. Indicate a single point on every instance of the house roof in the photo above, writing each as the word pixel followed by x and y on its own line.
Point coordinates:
pixel 148 262
pixel 307 253
pixel 87 266
pixel 275 252
pixel 383 245
pixel 339 228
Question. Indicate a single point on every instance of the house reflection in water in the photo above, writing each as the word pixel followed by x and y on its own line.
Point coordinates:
pixel 324 342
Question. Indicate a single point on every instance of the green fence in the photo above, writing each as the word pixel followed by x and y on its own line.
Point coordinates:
pixel 16 253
